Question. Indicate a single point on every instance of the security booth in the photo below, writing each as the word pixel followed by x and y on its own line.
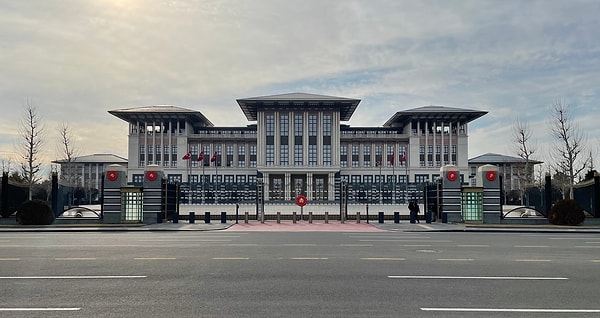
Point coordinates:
pixel 450 194
pixel 152 193
pixel 115 178
pixel 488 179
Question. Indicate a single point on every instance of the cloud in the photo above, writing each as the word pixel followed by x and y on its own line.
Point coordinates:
pixel 79 59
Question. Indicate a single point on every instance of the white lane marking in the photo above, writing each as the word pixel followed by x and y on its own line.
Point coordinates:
pixel 40 309
pixel 74 277
pixel 589 246
pixel 10 259
pixel 426 227
pixel 383 259
pixel 479 277
pixel 414 240
pixel 185 240
pixel 528 310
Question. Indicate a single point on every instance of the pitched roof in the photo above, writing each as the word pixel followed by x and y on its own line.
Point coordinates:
pixel 346 106
pixel 160 112
pixel 452 114
pixel 494 158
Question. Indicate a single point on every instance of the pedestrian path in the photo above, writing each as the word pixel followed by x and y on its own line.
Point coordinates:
pixel 303 226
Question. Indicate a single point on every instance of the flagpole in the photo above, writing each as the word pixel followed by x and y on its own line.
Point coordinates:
pixel 394 177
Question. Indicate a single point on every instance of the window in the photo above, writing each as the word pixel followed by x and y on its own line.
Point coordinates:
pixel 420 178
pixel 270 152
pixel 241 156
pixel 194 152
pixel 229 154
pixel 378 159
pixel 327 155
pixel 158 155
pixel 284 155
pixel 368 179
pixel 298 161
pixel 253 156
pixel 270 125
pixel 344 156
pixel 150 154
pixel 355 178
pixel 326 125
pixel 284 125
pixel 142 155
pixel 298 125
pixel 312 155
pixel 174 156
pixel 366 156
pixel 312 125
pixel 355 156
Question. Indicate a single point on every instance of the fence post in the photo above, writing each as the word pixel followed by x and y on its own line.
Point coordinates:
pixel 294 217
pixel 309 217
pixel 246 217
pixel 223 217
pixel 206 217
pixel 278 217
pixel 326 217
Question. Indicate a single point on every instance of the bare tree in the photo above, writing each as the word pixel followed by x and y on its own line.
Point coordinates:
pixel 568 145
pixel 31 133
pixel 525 149
pixel 69 153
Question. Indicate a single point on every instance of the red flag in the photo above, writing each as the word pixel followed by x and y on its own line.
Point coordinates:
pixel 403 157
pixel 187 156
pixel 392 159
pixel 214 157
pixel 201 156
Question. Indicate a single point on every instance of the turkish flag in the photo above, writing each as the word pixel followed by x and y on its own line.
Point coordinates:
pixel 187 156
pixel 214 157
pixel 403 157
pixel 201 156
pixel 392 159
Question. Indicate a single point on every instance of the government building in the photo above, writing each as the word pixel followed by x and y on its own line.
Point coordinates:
pixel 298 144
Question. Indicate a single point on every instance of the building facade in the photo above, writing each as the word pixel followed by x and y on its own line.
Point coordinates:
pixel 298 144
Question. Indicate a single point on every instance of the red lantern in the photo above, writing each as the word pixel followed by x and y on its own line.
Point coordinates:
pixel 301 200
pixel 112 175
pixel 451 175
pixel 491 175
pixel 151 175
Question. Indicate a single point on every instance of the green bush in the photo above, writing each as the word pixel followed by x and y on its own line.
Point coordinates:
pixel 566 212
pixel 35 212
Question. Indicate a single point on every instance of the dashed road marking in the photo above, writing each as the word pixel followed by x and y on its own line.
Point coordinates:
pixel 10 259
pixel 533 260
pixel 525 310
pixel 40 309
pixel 478 277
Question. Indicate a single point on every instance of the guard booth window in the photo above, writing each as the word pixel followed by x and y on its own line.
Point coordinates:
pixel 132 205
pixel 472 204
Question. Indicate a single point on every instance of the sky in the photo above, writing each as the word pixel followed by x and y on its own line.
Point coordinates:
pixel 74 60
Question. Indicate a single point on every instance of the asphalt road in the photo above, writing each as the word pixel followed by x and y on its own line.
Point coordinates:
pixel 299 274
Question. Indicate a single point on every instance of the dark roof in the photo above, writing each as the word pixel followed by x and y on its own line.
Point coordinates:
pixel 161 112
pixel 97 158
pixel 494 158
pixel 346 106
pixel 439 113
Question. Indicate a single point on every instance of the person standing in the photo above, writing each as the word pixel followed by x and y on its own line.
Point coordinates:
pixel 413 207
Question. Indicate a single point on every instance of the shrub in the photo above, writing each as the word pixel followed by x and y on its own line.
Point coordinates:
pixel 566 212
pixel 35 212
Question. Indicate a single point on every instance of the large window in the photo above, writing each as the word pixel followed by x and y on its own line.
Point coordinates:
pixel 298 161
pixel 229 154
pixel 270 125
pixel 284 125
pixel 344 156
pixel 366 156
pixel 253 156
pixel 284 155
pixel 298 129
pixel 241 156
pixel 194 152
pixel 312 125
pixel 327 155
pixel 355 156
pixel 270 152
pixel 326 125
pixel 312 155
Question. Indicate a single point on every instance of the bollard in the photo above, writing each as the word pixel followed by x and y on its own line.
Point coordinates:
pixel 206 217
pixel 357 217
pixel 396 217
pixel 326 217
pixel 428 217
pixel 278 217
pixel 309 217
pixel 246 217
pixel 237 210
pixel 413 218
pixel 294 217
pixel 444 217
pixel 192 217
pixel 223 217
pixel 380 217
pixel 175 218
